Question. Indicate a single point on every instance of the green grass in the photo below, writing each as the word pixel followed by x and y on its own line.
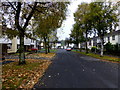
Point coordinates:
pixel 53 50
pixel 99 57
pixel 42 49
pixel 74 50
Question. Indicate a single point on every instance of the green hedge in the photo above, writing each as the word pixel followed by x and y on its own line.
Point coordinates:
pixel 93 49
pixel 112 49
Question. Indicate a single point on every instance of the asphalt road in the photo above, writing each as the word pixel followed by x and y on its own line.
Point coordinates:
pixel 73 70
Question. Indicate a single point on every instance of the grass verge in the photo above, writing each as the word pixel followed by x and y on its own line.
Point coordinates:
pixel 49 55
pixel 114 59
pixel 53 50
pixel 23 76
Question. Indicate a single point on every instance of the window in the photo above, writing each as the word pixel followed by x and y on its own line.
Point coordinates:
pixel 18 46
pixel 113 37
pixel 9 46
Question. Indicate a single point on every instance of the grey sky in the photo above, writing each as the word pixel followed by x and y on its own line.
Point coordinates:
pixel 66 27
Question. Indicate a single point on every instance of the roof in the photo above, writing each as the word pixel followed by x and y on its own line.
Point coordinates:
pixel 113 33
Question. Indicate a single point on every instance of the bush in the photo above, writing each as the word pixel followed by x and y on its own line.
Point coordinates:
pixel 117 47
pixel 112 49
pixel 109 47
pixel 82 48
pixel 29 50
pixel 18 51
pixel 93 49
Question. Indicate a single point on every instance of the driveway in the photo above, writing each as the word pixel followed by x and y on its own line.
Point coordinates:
pixel 73 70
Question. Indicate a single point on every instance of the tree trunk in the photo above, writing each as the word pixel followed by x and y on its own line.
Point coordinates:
pixel 86 43
pixel 76 41
pixel 77 38
pixel 102 47
pixel 77 45
pixel 21 53
pixel 45 45
pixel 95 50
pixel 68 44
pixel 54 45
pixel 48 46
pixel 86 47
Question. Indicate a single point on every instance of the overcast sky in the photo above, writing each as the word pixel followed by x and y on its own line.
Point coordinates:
pixel 66 27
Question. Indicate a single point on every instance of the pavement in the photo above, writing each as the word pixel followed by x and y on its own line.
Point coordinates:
pixel 74 70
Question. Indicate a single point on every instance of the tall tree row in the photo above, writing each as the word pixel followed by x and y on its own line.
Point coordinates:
pixel 99 17
pixel 83 19
pixel 105 19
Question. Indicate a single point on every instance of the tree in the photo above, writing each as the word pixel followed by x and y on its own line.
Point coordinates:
pixel 50 20
pixel 53 38
pixel 19 18
pixel 104 17
pixel 67 42
pixel 77 34
pixel 82 17
pixel 99 17
pixel 20 14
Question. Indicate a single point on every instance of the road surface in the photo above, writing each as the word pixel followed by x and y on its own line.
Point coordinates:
pixel 73 70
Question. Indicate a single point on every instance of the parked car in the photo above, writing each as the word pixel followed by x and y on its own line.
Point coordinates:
pixel 68 49
pixel 33 49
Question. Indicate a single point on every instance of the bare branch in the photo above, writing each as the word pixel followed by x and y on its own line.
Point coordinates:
pixel 29 16
pixel 12 5
pixel 35 9
pixel 18 15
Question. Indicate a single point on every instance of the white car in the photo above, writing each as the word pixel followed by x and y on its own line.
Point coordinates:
pixel 68 49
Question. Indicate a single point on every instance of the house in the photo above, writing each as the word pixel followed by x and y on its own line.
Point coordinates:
pixel 4 44
pixel 113 38
pixel 11 46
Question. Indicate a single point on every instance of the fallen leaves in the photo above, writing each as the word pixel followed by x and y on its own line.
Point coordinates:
pixel 24 76
pixel 49 55
pixel 38 72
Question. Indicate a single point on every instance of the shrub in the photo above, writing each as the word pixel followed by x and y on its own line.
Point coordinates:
pixel 93 49
pixel 82 48
pixel 18 51
pixel 109 47
pixel 112 49
pixel 29 50
pixel 117 47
